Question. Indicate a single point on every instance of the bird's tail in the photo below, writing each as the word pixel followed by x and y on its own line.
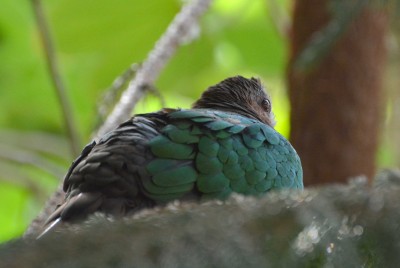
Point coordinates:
pixel 76 208
pixel 49 227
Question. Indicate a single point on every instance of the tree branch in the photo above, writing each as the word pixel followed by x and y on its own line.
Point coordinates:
pixel 332 226
pixel 176 34
pixel 109 99
pixel 110 96
pixel 56 77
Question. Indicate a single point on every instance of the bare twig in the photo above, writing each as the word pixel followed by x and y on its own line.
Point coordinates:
pixel 56 77
pixel 120 83
pixel 28 157
pixel 153 90
pixel 110 96
pixel 176 34
pixel 40 142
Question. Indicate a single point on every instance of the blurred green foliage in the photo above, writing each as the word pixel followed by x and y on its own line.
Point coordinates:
pixel 96 41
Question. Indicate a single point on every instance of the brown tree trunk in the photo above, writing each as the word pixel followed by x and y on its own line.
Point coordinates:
pixel 335 108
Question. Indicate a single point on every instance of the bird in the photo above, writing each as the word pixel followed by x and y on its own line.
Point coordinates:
pixel 225 143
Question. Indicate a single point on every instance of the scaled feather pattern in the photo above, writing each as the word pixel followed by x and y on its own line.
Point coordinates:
pixel 225 144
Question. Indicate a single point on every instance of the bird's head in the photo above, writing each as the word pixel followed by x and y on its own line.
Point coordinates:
pixel 239 95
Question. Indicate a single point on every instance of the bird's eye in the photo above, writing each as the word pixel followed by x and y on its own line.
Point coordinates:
pixel 266 105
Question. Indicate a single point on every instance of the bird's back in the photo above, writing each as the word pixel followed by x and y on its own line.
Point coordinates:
pixel 217 153
pixel 176 154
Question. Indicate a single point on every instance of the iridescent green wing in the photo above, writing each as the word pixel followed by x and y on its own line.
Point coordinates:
pixel 217 153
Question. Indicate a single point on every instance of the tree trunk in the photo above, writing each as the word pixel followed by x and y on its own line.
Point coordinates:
pixel 335 108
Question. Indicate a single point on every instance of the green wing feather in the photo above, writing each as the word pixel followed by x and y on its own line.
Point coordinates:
pixel 224 153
